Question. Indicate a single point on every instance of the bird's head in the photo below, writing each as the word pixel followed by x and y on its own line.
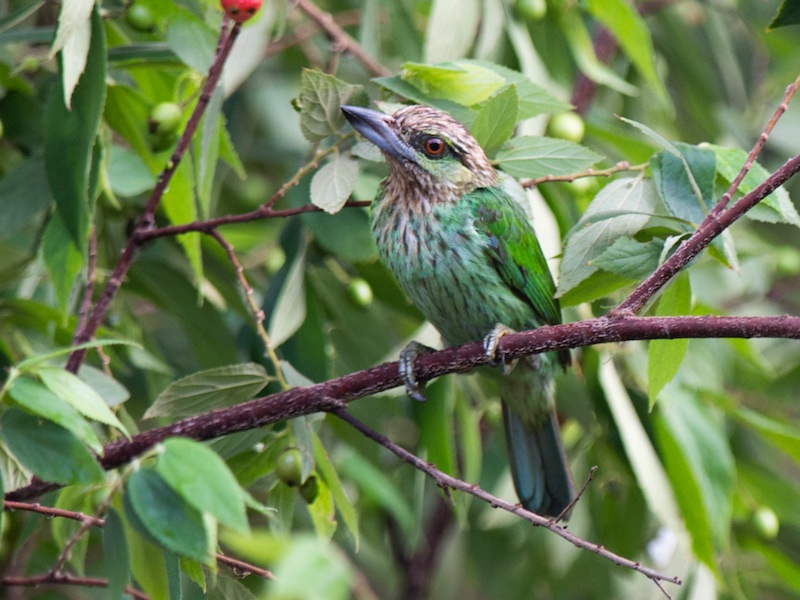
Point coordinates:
pixel 428 151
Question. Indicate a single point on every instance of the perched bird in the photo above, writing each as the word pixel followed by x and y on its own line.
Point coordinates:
pixel 465 253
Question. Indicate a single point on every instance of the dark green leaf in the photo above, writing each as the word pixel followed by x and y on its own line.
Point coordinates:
pixel 496 118
pixel 210 389
pixel 204 481
pixel 115 554
pixel 168 517
pixel 63 259
pixel 788 14
pixel 664 357
pixel 24 195
pixel 191 40
pixel 686 182
pixel 629 258
pixel 71 135
pixel 50 451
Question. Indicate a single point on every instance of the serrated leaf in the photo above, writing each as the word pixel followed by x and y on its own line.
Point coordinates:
pixel 203 479
pixel 451 29
pixel 206 390
pixel 39 400
pixel 80 395
pixel 167 516
pixel 332 184
pixel 461 82
pixel 629 203
pixel 686 182
pixel 51 452
pixel 701 468
pixel 328 473
pixel 664 357
pixel 630 30
pixel 495 121
pixel 320 100
pixel 775 208
pixel 192 40
pixel 534 156
pixel 629 258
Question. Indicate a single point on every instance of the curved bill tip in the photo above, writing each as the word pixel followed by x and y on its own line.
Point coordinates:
pixel 375 126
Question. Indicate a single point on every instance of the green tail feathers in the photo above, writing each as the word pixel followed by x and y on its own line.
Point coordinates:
pixel 538 464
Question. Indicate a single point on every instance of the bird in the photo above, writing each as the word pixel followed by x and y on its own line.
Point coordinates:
pixel 465 253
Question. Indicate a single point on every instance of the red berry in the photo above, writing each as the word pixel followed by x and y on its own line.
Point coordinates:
pixel 241 10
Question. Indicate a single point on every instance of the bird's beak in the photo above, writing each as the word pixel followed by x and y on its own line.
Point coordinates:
pixel 374 126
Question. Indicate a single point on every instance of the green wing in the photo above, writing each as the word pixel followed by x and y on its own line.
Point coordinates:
pixel 515 252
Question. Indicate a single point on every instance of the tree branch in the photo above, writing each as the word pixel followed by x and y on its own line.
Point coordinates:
pixel 333 393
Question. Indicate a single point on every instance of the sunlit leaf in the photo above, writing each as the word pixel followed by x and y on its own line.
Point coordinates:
pixel 333 183
pixel 461 82
pixel 451 29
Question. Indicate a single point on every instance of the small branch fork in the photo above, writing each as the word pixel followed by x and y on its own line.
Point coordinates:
pixel 446 482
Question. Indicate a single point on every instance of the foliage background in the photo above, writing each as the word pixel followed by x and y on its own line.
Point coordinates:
pixel 689 477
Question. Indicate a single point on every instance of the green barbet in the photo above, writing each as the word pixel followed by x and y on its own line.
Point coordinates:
pixel 465 253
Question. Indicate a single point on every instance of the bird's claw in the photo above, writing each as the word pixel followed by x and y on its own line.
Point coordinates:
pixel 407 367
pixel 490 345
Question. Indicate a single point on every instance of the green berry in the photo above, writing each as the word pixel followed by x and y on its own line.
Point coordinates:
pixel 766 522
pixel 567 126
pixel 359 292
pixel 310 489
pixel 165 118
pixel 532 10
pixel 289 467
pixel 140 17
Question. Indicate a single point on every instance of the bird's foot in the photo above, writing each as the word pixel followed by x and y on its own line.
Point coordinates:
pixel 407 367
pixel 490 344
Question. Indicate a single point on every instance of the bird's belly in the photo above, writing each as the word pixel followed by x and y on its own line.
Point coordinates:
pixel 450 279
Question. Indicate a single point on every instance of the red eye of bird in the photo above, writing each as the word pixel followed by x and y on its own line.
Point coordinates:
pixel 434 147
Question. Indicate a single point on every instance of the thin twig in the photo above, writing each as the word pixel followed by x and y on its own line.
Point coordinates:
pixel 620 166
pixel 50 511
pixel 339 37
pixel 66 579
pixel 255 309
pixel 442 479
pixel 759 145
pixel 243 568
pixel 577 497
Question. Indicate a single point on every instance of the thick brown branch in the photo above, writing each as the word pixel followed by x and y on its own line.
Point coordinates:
pixel 458 359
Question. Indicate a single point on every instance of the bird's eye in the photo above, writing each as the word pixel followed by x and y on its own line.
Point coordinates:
pixel 434 147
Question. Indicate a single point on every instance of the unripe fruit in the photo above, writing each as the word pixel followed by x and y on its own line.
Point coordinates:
pixel 165 118
pixel 766 522
pixel 310 489
pixel 140 17
pixel 289 467
pixel 241 10
pixel 359 292
pixel 567 126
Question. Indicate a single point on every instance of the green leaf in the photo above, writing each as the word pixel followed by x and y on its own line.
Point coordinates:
pixel 621 209
pixel 80 395
pixel 533 99
pixel 206 390
pixel 686 182
pixel 775 208
pixel 534 156
pixel 321 97
pixel 70 137
pixel 203 479
pixel 788 14
pixel 29 364
pixel 597 285
pixel 24 195
pixel 630 29
pixel 322 512
pixel 346 234
pixel 73 40
pixel 782 434
pixel 180 207
pixel 435 421
pixel 206 148
pixel 146 556
pixel 377 487
pixel 290 307
pixel 495 121
pixel 629 258
pixel 128 174
pixel 664 357
pixel 332 184
pixel 461 82
pixel 700 465
pixel 36 398
pixel 50 451
pixel 109 389
pixel 328 473
pixel 451 29
pixel 332 579
pixel 64 261
pixel 168 517
pixel 116 557
pixel 192 40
